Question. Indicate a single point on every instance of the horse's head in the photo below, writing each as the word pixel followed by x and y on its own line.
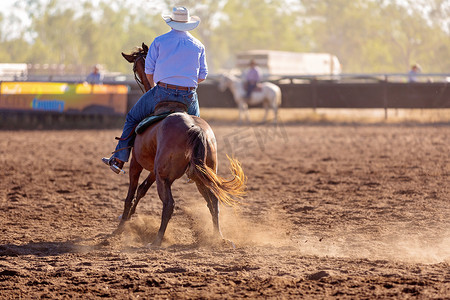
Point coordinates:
pixel 138 53
pixel 137 58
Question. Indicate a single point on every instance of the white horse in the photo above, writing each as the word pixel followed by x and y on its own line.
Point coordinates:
pixel 269 96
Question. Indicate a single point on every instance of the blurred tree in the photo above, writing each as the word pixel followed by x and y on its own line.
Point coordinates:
pixel 143 28
pixel 14 51
pixel 112 25
pixel 254 24
pixel 366 35
pixel 350 30
pixel 57 36
pixel 375 36
pixel 419 30
pixel 13 47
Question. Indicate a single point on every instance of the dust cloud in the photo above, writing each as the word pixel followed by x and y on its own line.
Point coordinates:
pixel 193 227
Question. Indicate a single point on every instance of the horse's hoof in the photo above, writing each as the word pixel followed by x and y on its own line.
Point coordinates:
pixel 117 232
pixel 156 243
pixel 153 245
pixel 228 243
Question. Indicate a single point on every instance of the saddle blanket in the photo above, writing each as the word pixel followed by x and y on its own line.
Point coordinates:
pixel 144 124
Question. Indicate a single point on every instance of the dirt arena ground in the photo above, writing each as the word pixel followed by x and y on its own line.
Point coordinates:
pixel 333 211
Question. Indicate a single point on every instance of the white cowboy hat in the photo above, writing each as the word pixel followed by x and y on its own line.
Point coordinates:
pixel 180 19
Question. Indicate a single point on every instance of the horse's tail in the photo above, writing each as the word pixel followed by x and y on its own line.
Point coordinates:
pixel 227 191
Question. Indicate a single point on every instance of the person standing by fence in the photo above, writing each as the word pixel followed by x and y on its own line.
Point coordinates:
pixel 95 77
pixel 413 73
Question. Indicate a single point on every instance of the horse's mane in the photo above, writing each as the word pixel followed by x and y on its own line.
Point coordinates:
pixel 139 51
pixel 139 54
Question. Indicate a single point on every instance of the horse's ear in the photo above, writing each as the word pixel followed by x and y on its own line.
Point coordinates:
pixel 145 47
pixel 128 57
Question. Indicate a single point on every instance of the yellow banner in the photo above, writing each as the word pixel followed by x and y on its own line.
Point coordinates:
pixel 49 88
pixel 62 97
pixel 54 88
pixel 100 89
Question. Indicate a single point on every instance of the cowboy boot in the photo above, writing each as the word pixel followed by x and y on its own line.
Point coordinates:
pixel 115 164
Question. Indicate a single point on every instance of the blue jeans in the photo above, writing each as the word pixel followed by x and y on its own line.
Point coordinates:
pixel 249 87
pixel 146 106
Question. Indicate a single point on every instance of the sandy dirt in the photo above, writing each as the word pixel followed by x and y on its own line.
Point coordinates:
pixel 332 211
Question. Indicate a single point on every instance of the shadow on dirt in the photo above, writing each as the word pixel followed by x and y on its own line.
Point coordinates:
pixel 45 248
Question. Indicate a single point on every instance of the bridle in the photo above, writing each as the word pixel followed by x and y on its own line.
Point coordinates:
pixel 136 77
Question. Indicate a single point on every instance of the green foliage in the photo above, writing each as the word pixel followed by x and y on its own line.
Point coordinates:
pixel 367 35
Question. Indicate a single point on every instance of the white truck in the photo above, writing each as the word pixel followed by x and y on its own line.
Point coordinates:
pixel 10 72
pixel 280 63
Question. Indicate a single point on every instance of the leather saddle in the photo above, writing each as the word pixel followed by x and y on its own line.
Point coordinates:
pixel 162 110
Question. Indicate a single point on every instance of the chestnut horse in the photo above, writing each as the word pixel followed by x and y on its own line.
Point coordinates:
pixel 180 144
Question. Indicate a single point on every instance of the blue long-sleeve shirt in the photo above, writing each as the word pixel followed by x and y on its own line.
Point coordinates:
pixel 253 75
pixel 177 58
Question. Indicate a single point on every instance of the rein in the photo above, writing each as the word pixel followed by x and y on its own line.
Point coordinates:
pixel 138 80
pixel 140 84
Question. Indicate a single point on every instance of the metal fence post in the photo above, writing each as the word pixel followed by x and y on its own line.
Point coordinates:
pixel 314 94
pixel 385 97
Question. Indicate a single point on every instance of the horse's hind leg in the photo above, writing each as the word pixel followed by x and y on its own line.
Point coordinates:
pixel 247 114
pixel 243 112
pixel 266 111
pixel 211 199
pixel 165 194
pixel 275 113
pixel 213 205
pixel 141 191
pixel 135 172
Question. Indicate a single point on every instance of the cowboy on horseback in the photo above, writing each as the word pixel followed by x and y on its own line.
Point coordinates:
pixel 174 66
pixel 252 78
